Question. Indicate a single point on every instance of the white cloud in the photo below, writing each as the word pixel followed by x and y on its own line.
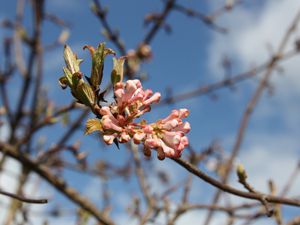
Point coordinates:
pixel 250 33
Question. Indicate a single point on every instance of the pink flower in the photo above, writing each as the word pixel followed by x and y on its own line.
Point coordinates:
pixel 175 139
pixel 132 99
pixel 173 134
pixel 109 122
pixel 167 136
pixel 175 120
pixel 138 137
pixel 108 139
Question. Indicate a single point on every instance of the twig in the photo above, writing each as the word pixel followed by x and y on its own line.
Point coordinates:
pixel 4 76
pixel 24 199
pixel 224 187
pixel 242 175
pixel 225 8
pixel 38 9
pixel 159 22
pixel 113 36
pixel 208 20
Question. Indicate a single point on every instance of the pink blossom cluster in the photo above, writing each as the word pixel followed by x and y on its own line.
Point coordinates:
pixel 167 135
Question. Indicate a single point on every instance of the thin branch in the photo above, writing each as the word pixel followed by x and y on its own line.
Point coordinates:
pixel 224 187
pixel 38 10
pixel 208 20
pixel 226 8
pixel 113 36
pixel 4 76
pixel 159 22
pixel 24 199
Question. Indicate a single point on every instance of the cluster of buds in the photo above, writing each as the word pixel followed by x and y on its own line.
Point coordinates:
pixel 118 123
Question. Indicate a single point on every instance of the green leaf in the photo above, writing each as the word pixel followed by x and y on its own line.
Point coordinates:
pixel 85 94
pixel 118 70
pixel 98 56
pixel 93 125
pixel 109 51
pixel 71 60
pixel 97 66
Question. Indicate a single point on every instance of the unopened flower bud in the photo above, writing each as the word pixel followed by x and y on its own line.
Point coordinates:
pixel 160 154
pixel 147 152
pixel 145 52
pixel 241 173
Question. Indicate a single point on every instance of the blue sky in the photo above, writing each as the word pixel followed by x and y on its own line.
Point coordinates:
pixel 186 59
